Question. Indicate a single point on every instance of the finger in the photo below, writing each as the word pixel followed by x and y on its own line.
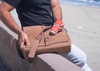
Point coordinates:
pixel 61 28
pixel 62 25
pixel 21 44
pixel 27 42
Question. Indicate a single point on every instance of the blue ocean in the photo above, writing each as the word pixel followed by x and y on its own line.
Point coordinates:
pixel 91 3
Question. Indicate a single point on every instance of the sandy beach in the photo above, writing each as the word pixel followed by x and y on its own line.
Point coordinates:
pixel 83 27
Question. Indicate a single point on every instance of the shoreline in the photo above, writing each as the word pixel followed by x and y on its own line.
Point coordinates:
pixel 93 3
pixel 79 5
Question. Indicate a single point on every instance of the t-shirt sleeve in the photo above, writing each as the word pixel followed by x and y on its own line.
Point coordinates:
pixel 13 3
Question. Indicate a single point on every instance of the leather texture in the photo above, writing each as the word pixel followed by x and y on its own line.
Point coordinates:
pixel 58 43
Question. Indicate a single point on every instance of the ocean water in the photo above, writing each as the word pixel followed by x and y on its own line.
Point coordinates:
pixel 91 3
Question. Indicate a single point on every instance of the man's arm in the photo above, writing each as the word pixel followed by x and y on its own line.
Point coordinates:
pixel 8 20
pixel 57 12
pixel 56 9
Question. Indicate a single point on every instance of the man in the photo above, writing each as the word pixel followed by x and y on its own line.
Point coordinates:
pixel 38 12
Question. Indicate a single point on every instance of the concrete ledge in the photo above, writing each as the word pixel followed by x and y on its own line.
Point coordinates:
pixel 43 62
pixel 10 58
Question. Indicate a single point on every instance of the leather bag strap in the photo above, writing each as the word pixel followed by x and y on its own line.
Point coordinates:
pixel 33 48
pixel 37 40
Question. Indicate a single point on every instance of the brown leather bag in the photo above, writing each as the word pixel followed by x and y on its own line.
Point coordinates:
pixel 42 41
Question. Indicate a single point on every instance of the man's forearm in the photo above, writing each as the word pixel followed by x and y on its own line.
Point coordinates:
pixel 8 20
pixel 57 13
pixel 56 9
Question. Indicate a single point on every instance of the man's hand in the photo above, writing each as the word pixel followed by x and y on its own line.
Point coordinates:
pixel 61 27
pixel 8 20
pixel 23 39
pixel 57 13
